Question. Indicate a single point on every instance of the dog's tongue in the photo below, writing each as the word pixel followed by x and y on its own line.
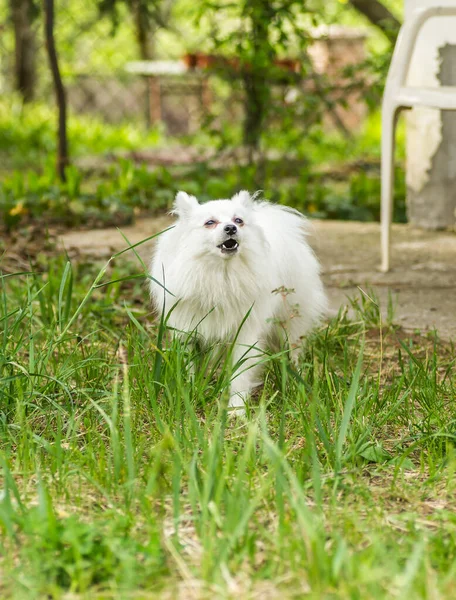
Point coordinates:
pixel 230 243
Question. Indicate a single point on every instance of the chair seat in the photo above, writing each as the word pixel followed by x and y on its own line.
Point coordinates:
pixel 440 97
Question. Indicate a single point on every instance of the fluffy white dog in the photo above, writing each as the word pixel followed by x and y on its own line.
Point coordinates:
pixel 238 270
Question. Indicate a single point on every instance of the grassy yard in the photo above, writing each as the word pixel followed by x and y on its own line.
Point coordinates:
pixel 123 477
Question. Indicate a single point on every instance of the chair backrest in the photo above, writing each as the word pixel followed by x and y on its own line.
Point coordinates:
pixel 429 25
pixel 414 5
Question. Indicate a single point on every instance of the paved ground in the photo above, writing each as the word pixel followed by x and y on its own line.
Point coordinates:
pixel 422 280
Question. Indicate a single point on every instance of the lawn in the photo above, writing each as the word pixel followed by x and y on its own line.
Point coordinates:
pixel 123 476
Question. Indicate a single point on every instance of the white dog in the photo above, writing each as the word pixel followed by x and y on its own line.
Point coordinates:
pixel 238 270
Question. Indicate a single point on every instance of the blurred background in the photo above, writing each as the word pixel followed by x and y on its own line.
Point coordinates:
pixel 210 97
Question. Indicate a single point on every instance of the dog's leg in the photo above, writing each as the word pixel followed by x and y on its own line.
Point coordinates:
pixel 246 376
pixel 296 349
pixel 297 329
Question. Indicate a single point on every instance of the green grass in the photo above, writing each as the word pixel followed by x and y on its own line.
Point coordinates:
pixel 28 135
pixel 123 476
pixel 124 191
pixel 27 138
pixel 329 177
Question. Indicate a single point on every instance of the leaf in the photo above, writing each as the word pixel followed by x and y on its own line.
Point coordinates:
pixel 375 454
pixel 348 408
pixel 76 207
pixel 403 463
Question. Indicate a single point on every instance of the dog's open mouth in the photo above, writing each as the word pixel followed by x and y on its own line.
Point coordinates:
pixel 229 246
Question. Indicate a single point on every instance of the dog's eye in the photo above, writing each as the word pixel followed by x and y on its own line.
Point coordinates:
pixel 209 223
pixel 239 221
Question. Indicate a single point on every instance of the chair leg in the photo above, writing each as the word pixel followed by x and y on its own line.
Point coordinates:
pixel 389 120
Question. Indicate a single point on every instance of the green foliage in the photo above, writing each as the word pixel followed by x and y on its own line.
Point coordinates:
pixel 27 135
pixel 123 475
pixel 323 174
pixel 126 191
pixel 256 33
pixel 153 13
pixel 112 199
pixel 64 552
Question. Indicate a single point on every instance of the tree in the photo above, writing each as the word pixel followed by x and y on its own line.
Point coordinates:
pixel 143 29
pixel 148 15
pixel 62 145
pixel 380 16
pixel 259 31
pixel 260 56
pixel 23 13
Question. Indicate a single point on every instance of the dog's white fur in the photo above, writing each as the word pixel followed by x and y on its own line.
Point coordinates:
pixel 273 274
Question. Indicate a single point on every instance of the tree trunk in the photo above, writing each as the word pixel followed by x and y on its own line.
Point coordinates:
pixel 143 29
pixel 380 16
pixel 62 146
pixel 255 75
pixel 256 101
pixel 24 48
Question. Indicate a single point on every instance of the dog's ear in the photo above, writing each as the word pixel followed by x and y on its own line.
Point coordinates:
pixel 184 204
pixel 243 198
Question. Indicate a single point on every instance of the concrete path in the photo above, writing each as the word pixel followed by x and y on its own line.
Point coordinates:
pixel 422 280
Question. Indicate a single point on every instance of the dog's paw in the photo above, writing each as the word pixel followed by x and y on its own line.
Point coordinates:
pixel 237 413
pixel 236 406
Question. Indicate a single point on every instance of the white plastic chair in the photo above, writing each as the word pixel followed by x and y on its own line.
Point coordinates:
pixel 398 96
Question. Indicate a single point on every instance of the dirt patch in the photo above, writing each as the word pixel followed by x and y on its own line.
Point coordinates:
pixel 422 280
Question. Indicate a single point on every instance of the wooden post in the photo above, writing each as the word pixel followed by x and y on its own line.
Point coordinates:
pixel 155 111
pixel 206 94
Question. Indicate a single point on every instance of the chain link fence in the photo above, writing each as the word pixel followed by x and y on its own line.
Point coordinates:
pixel 94 57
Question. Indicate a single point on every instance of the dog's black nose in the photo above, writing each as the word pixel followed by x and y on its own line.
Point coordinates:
pixel 230 229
